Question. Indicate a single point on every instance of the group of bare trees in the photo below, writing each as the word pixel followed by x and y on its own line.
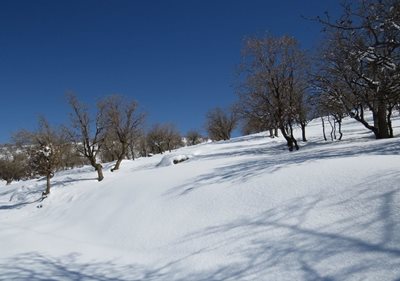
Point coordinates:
pixel 43 152
pixel 274 85
pixel 112 131
pixel 360 63
pixel 280 87
pixel 357 69
pixel 117 121
pixel 220 123
pixel 163 137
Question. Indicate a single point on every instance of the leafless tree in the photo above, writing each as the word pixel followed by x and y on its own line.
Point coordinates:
pixel 141 145
pixel 163 137
pixel 45 153
pixel 124 122
pixel 193 137
pixel 273 84
pixel 328 106
pixel 110 148
pixel 70 158
pixel 87 134
pixel 13 164
pixel 173 137
pixel 360 61
pixel 220 123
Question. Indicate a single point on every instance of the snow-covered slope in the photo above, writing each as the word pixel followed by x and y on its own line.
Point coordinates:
pixel 246 209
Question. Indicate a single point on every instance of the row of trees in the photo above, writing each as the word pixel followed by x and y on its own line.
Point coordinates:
pixel 114 132
pixel 280 86
pixel 360 63
pixel 356 69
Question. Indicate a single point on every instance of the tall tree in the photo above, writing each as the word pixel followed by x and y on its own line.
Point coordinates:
pixel 360 61
pixel 273 83
pixel 87 134
pixel 123 123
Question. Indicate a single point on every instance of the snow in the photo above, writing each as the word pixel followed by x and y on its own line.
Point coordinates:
pixel 244 209
pixel 172 159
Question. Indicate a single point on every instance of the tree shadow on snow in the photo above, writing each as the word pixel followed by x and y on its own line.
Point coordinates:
pixel 270 159
pixel 281 243
pixel 278 243
pixel 18 205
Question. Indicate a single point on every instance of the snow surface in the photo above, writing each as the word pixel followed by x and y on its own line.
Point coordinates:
pixel 172 159
pixel 244 209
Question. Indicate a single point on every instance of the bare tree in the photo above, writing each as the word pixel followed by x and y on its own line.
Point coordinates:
pixel 220 123
pixel 172 136
pixel 123 124
pixel 163 137
pixel 303 109
pixel 360 61
pixel 193 137
pixel 70 158
pixel 273 84
pixel 45 154
pixel 87 134
pixel 328 106
pixel 13 164
pixel 155 139
pixel 110 148
pixel 141 145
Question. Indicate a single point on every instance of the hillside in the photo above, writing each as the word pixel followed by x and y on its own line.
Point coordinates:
pixel 244 209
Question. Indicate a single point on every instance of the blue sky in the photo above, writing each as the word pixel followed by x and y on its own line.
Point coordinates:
pixel 176 58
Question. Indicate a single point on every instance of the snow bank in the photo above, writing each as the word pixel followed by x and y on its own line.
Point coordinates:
pixel 169 160
pixel 244 209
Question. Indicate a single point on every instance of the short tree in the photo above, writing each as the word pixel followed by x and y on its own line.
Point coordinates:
pixel 193 137
pixel 220 123
pixel 13 164
pixel 45 153
pixel 163 137
pixel 140 145
pixel 172 136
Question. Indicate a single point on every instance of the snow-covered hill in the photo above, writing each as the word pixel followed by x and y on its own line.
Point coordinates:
pixel 246 209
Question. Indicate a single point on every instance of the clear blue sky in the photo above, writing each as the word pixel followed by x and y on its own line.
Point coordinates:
pixel 176 58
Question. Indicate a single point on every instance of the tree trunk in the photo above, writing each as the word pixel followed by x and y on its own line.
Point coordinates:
pixel 332 128
pixel 99 170
pixel 292 137
pixel 276 132
pixel 8 181
pixel 383 130
pixel 291 141
pixel 389 122
pixel 366 125
pixel 323 128
pixel 295 143
pixel 303 131
pixel 132 152
pixel 47 191
pixel 340 129
pixel 120 157
pixel 287 138
pixel 271 133
pixel 116 166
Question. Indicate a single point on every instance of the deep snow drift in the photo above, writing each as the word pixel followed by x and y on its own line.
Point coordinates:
pixel 245 209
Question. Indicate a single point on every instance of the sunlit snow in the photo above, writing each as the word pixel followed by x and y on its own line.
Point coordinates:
pixel 244 209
